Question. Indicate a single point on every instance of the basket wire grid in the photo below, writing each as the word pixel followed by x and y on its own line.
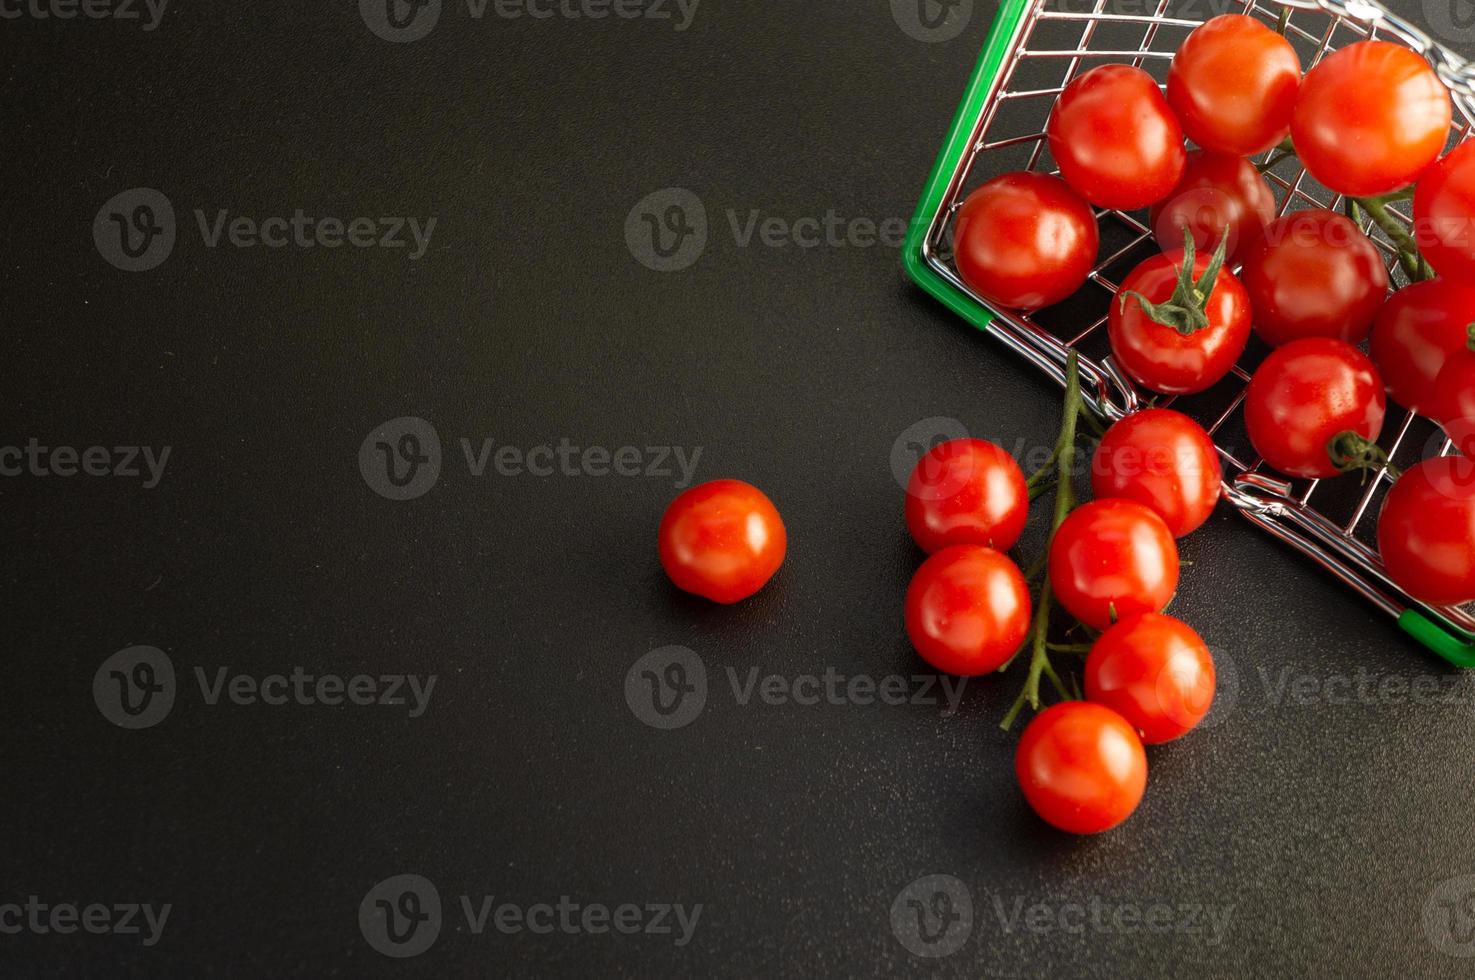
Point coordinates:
pixel 1035 48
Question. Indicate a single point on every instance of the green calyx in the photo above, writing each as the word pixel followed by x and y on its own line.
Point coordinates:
pixel 1470 337
pixel 1350 451
pixel 1184 310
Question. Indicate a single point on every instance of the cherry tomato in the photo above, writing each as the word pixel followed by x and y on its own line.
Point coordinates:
pixel 1081 767
pixel 1314 274
pixel 1025 240
pixel 722 540
pixel 1154 671
pixel 1112 558
pixel 1216 191
pixel 1115 139
pixel 1426 531
pixel 1417 329
pixel 1164 460
pixel 967 610
pixel 1454 400
pixel 966 491
pixel 1233 85
pixel 1369 118
pixel 1157 354
pixel 1444 214
pixel 1307 394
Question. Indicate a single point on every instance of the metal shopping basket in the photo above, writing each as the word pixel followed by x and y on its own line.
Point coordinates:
pixel 1034 48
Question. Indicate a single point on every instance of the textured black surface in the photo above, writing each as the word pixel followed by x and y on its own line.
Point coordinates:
pixel 1319 831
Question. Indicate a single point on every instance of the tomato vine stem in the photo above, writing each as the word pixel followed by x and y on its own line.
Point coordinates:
pixel 1064 457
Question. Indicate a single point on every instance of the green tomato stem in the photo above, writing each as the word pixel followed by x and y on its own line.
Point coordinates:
pixel 1039 660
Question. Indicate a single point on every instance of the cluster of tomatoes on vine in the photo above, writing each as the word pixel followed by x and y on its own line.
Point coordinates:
pixel 1369 122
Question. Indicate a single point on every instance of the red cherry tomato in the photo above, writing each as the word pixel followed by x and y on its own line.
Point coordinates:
pixel 1305 395
pixel 966 491
pixel 1154 671
pixel 1419 327
pixel 1164 460
pixel 1081 767
pixel 967 610
pixel 1314 274
pixel 1159 356
pixel 1369 118
pixel 1444 214
pixel 1115 139
pixel 1454 400
pixel 1025 240
pixel 1111 558
pixel 722 540
pixel 1426 531
pixel 1216 191
pixel 1233 85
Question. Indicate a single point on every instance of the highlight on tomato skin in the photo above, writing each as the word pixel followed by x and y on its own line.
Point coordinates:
pixel 1161 357
pixel 1314 273
pixel 722 540
pixel 1370 118
pixel 1233 84
pixel 1444 214
pixel 1426 531
pixel 1418 329
pixel 1164 460
pixel 1081 767
pixel 1305 396
pixel 967 610
pixel 1110 559
pixel 1115 138
pixel 1218 195
pixel 1156 672
pixel 1025 240
pixel 966 491
pixel 1454 400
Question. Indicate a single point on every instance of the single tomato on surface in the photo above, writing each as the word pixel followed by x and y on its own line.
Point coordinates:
pixel 1444 214
pixel 1164 460
pixel 1155 672
pixel 1426 531
pixel 966 491
pixel 1115 139
pixel 967 610
pixel 722 540
pixel 1179 321
pixel 1314 408
pixel 1233 85
pixel 1370 118
pixel 1111 559
pixel 1314 274
pixel 1218 197
pixel 1081 767
pixel 1025 240
pixel 1417 330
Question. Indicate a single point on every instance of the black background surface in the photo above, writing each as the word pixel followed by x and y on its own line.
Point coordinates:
pixel 1321 829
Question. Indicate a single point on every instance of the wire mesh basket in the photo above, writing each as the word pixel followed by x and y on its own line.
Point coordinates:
pixel 1035 48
